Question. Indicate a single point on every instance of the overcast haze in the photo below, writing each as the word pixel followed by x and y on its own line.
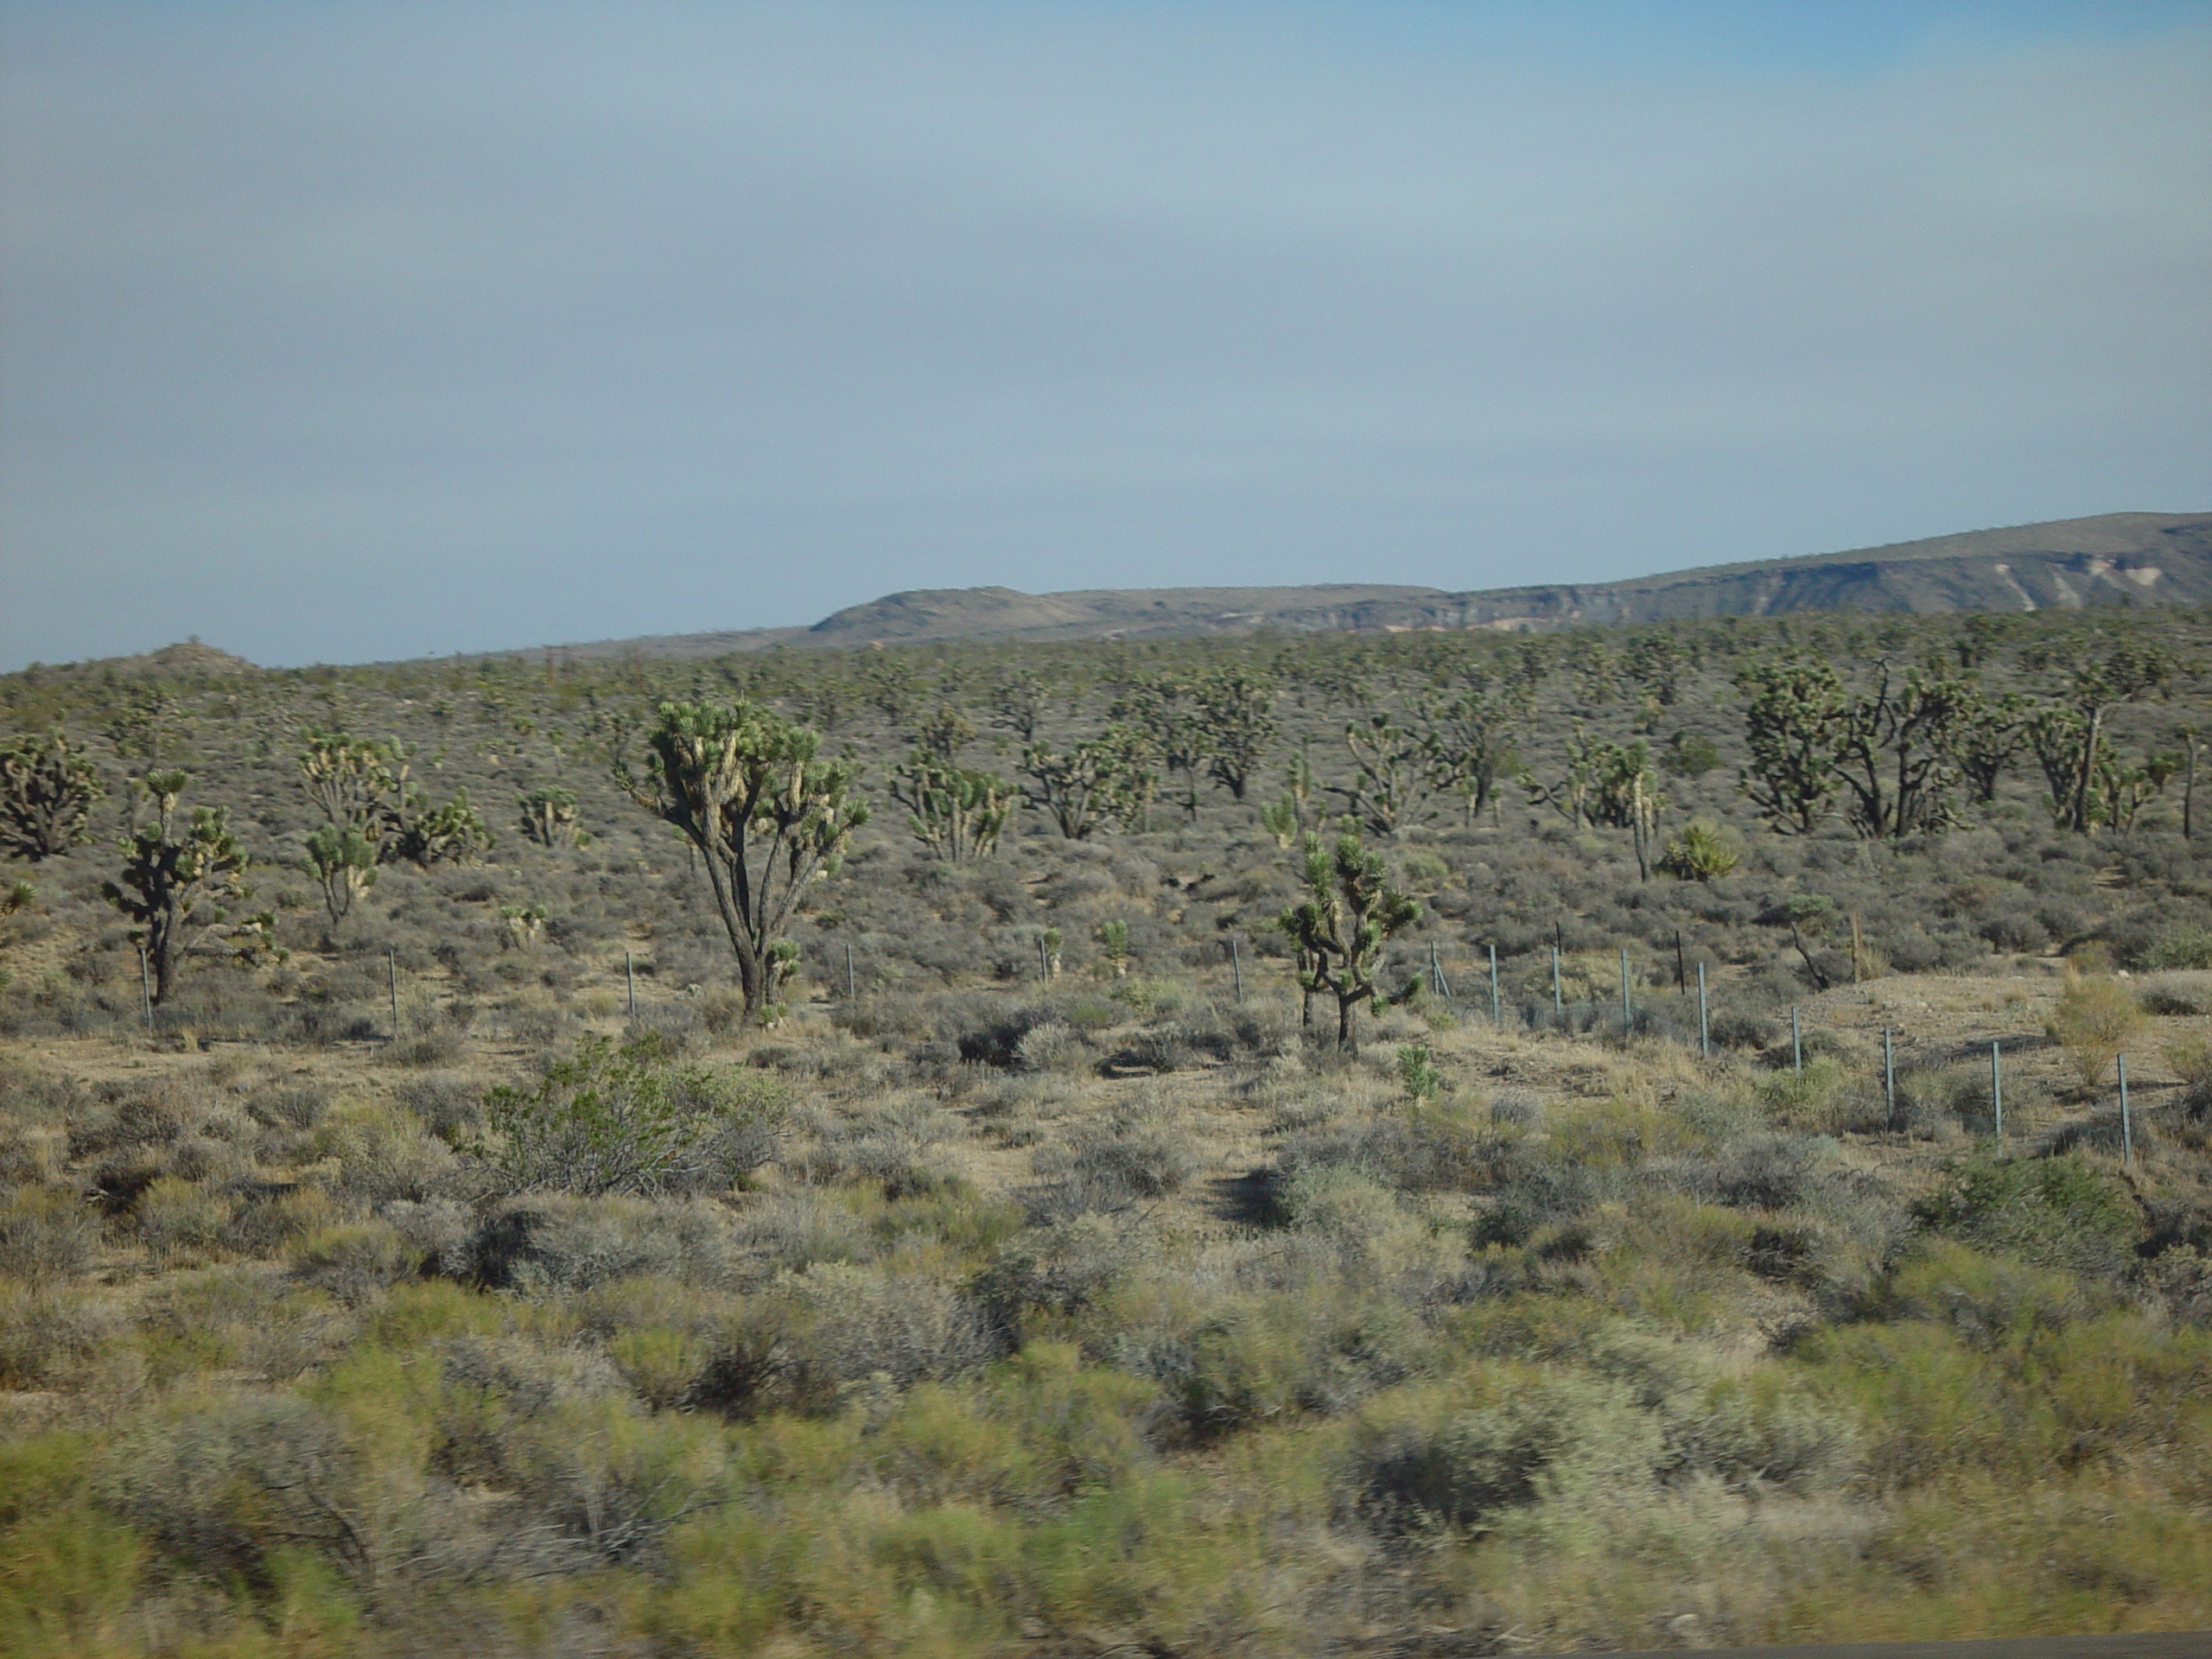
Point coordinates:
pixel 350 331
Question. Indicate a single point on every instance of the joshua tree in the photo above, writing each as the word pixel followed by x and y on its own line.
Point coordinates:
pixel 958 815
pixel 2068 737
pixel 942 736
pixel 1393 777
pixel 748 789
pixel 47 790
pixel 1166 710
pixel 1896 749
pixel 549 815
pixel 1108 778
pixel 361 786
pixel 352 779
pixel 1624 794
pixel 1350 912
pixel 1236 707
pixel 1468 741
pixel 424 835
pixel 344 860
pixel 178 880
pixel 1796 705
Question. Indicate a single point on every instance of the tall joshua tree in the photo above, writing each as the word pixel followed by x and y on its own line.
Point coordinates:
pixel 1350 912
pixel 179 878
pixel 749 790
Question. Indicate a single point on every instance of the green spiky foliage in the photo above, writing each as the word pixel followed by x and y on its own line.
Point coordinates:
pixel 353 781
pixel 1108 780
pixel 1468 743
pixel 361 785
pixel 48 787
pixel 767 814
pixel 1350 913
pixel 425 835
pixel 1625 795
pixel 1897 749
pixel 1790 727
pixel 1238 708
pixel 944 734
pixel 1166 710
pixel 1392 763
pixel 1988 739
pixel 548 816
pixel 180 879
pixel 2068 736
pixel 957 814
pixel 343 861
pixel 1699 854
pixel 1280 819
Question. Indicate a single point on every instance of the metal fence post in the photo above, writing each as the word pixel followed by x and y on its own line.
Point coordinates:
pixel 1796 1043
pixel 1558 1005
pixel 391 971
pixel 1997 1092
pixel 1237 966
pixel 1628 1010
pixel 1704 1026
pixel 2126 1124
pixel 1890 1076
pixel 630 975
pixel 1497 1015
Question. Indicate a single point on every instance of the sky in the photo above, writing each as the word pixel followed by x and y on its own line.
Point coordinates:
pixel 349 332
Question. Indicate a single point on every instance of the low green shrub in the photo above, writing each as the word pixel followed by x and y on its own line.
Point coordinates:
pixel 2058 1212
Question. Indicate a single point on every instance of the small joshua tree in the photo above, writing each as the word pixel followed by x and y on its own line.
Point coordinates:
pixel 361 785
pixel 1698 853
pixel 424 835
pixel 549 815
pixel 1350 912
pixel 177 882
pixel 750 791
pixel 344 862
pixel 957 814
pixel 47 790
pixel 352 779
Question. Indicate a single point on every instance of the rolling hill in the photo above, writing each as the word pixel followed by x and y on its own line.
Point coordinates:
pixel 2112 560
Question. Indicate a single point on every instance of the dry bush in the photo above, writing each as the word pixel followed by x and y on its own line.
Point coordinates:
pixel 559 1243
pixel 812 1335
pixel 174 1217
pixel 45 1339
pixel 2177 994
pixel 2094 1020
pixel 47 1236
pixel 1128 1159
pixel 357 1263
pixel 225 1489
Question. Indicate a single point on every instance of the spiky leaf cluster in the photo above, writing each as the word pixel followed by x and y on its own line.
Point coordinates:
pixel 751 791
pixel 956 813
pixel 1338 930
pixel 48 787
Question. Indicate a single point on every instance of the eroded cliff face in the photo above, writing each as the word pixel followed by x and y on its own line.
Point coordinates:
pixel 2115 559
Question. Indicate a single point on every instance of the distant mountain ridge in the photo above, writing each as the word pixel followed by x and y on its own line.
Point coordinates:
pixel 2113 559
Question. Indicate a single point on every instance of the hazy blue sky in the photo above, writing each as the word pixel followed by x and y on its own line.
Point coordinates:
pixel 335 331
